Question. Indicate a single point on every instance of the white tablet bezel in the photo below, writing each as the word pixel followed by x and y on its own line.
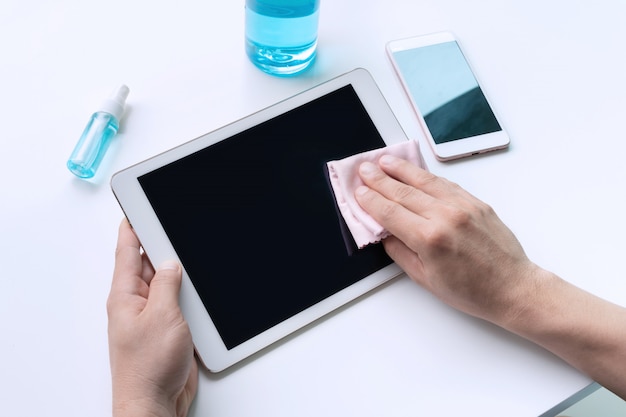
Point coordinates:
pixel 131 197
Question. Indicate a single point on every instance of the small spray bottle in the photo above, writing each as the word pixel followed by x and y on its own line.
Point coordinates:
pixel 96 137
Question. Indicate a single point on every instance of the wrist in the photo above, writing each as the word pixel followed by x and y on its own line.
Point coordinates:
pixel 127 402
pixel 529 303
pixel 141 408
pixel 556 315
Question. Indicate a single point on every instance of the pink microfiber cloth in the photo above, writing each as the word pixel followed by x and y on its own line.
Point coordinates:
pixel 344 180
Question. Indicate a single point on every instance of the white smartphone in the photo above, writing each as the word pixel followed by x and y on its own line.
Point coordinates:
pixel 452 108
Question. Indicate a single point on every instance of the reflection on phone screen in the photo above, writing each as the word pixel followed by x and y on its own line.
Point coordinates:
pixel 446 92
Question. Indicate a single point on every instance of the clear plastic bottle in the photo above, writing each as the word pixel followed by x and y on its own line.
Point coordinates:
pixel 94 142
pixel 281 35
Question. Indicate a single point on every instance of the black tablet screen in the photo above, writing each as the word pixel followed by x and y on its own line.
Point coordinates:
pixel 254 222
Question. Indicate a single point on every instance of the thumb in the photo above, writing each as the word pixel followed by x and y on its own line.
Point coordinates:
pixel 165 286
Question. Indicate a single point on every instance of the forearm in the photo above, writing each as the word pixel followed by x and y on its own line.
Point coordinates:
pixel 586 331
pixel 455 246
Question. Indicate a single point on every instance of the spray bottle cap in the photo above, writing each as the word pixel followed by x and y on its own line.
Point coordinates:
pixel 115 104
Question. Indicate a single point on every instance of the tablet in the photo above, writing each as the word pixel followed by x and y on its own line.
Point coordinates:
pixel 591 401
pixel 248 212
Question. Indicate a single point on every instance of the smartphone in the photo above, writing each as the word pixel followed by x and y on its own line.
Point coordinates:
pixel 450 104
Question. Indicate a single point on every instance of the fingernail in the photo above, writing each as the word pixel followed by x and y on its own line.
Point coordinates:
pixel 367 168
pixel 361 190
pixel 388 160
pixel 170 264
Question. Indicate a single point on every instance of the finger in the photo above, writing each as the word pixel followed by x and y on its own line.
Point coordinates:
pixel 126 239
pixel 396 218
pixel 165 286
pixel 147 269
pixel 411 174
pixel 128 262
pixel 408 260
pixel 408 196
pixel 433 185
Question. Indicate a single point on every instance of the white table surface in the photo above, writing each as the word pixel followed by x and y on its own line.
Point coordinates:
pixel 553 70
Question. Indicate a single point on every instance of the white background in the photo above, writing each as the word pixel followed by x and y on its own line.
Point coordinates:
pixel 554 72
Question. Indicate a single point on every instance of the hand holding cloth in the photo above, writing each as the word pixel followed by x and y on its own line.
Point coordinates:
pixel 344 180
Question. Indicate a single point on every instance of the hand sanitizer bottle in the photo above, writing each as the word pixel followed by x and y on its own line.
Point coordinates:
pixel 96 137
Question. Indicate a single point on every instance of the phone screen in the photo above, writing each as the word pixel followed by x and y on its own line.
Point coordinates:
pixel 446 92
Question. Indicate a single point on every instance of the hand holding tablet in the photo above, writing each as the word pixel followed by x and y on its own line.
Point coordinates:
pixel 260 182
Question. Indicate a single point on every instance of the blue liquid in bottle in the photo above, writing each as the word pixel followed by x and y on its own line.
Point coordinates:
pixel 92 145
pixel 96 138
pixel 281 35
